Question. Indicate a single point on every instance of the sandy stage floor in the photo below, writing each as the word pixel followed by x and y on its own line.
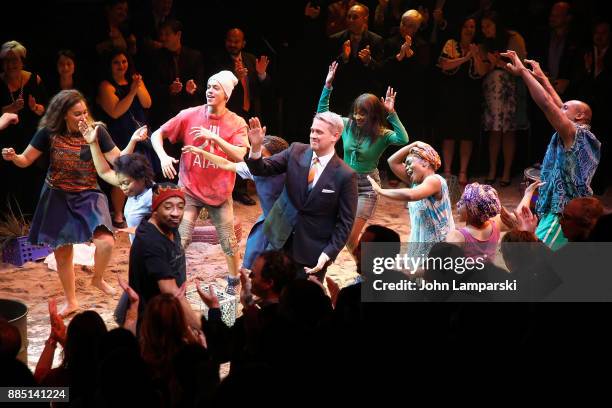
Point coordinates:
pixel 34 283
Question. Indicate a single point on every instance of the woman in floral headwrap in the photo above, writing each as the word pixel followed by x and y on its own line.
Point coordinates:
pixel 431 217
pixel 479 207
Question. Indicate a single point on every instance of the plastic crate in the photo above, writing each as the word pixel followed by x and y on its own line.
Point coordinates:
pixel 227 304
pixel 19 251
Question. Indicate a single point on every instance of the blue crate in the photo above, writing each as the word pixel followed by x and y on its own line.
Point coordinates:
pixel 19 251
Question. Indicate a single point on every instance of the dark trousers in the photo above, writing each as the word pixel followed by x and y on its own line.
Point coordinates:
pixel 300 273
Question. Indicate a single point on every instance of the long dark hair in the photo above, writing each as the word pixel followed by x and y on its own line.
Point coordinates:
pixel 54 117
pixel 502 36
pixel 375 114
pixel 109 65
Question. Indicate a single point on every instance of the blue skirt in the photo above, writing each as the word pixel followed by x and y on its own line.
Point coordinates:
pixel 64 218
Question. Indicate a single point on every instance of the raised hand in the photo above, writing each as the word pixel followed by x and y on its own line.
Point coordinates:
pixel 209 297
pixel 536 70
pixel 176 86
pixel 526 220
pixel 331 74
pixel 58 328
pixel 346 50
pixel 389 100
pixel 89 133
pixel 365 55
pixel 256 134
pixel 533 186
pixel 8 154
pixel 246 296
pixel 191 87
pixel 141 134
pixel 261 65
pixel 515 65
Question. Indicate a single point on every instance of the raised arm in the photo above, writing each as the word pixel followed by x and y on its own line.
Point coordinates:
pixel 325 94
pixel 396 163
pixel 276 164
pixel 398 136
pixel 556 117
pixel 537 72
pixel 103 169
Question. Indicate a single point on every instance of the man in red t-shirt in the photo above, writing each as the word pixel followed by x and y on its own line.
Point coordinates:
pixel 220 131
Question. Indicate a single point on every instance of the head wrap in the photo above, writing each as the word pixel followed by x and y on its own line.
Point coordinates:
pixel 480 201
pixel 227 80
pixel 162 192
pixel 427 153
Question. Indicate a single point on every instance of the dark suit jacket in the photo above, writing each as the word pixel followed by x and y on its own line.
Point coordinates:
pixel 353 77
pixel 164 71
pixel 324 220
pixel 257 88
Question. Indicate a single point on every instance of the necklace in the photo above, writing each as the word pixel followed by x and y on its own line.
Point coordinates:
pixel 20 89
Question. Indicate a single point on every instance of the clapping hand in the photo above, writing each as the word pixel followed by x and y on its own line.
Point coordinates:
pixel 176 86
pixel 136 82
pixel 389 100
pixel 191 87
pixel 365 55
pixel 346 50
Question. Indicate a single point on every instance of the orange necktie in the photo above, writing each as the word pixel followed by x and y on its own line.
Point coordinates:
pixel 313 172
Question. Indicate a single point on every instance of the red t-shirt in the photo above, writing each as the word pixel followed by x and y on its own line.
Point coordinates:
pixel 201 178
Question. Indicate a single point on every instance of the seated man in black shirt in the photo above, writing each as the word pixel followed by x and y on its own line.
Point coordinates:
pixel 157 259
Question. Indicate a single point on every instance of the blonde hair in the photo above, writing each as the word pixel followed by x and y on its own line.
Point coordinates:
pixel 333 120
pixel 15 47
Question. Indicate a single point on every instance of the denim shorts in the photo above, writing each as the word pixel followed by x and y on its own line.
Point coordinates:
pixel 366 204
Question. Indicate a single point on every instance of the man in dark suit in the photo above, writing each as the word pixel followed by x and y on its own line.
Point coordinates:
pixel 177 75
pixel 254 83
pixel 313 217
pixel 359 53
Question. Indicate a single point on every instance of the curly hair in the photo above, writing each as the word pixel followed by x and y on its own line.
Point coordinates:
pixel 135 166
pixel 275 144
pixel 60 104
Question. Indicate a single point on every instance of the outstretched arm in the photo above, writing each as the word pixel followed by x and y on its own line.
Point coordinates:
pixel 429 187
pixel 29 155
pixel 221 162
pixel 556 117
pixel 537 72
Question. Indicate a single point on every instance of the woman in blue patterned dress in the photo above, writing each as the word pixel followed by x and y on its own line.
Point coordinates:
pixel 431 216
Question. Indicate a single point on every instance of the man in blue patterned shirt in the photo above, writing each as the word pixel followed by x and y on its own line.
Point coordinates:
pixel 572 155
